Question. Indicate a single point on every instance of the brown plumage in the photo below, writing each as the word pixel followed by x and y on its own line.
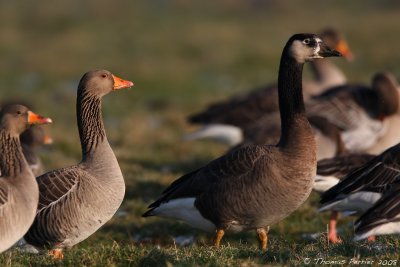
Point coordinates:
pixel 76 201
pixel 255 186
pixel 18 189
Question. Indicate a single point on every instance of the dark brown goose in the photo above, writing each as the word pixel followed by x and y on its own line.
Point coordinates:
pixel 255 186
pixel 225 120
pixel 31 140
pixel 19 192
pixel 363 187
pixel 76 201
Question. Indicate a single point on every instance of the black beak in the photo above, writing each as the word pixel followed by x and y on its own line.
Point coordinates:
pixel 325 51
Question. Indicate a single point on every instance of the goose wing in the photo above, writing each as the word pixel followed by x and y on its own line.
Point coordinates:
pixel 56 193
pixel 240 110
pixel 234 165
pixel 341 165
pixel 4 196
pixel 356 110
pixel 339 105
pixel 374 176
pixel 386 210
pixel 54 186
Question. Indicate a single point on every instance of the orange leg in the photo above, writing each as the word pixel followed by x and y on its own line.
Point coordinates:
pixel 332 235
pixel 218 236
pixel 57 253
pixel 371 238
pixel 262 235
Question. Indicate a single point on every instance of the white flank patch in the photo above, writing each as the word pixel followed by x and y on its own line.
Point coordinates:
pixel 228 134
pixel 384 229
pixel 365 135
pixel 356 203
pixel 184 209
pixel 323 183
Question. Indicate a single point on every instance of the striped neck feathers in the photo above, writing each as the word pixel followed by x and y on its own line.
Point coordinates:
pixel 12 161
pixel 90 121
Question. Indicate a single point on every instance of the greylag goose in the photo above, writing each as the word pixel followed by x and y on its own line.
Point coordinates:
pixel 31 140
pixel 74 202
pixel 255 186
pixel 225 120
pixel 18 189
pixel 363 187
pixel 383 218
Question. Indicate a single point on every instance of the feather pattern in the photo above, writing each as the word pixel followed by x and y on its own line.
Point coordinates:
pixel 383 217
pixel 76 201
pixel 255 186
pixel 18 191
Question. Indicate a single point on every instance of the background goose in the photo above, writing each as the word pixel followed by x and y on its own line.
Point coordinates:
pixel 31 140
pixel 76 201
pixel 255 186
pixel 345 118
pixel 362 187
pixel 225 120
pixel 329 173
pixel 267 131
pixel 383 218
pixel 359 111
pixel 18 189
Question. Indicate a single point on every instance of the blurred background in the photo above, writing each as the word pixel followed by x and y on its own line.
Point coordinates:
pixel 181 55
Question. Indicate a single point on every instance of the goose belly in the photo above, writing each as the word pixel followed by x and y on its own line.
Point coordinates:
pixel 94 212
pixel 184 209
pixel 80 214
pixel 15 221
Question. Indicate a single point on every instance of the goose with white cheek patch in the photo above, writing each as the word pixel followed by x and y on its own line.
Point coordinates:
pixel 256 186
pixel 75 201
pixel 19 192
pixel 227 120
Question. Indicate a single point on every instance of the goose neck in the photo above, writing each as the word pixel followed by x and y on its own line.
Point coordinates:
pixel 294 123
pixel 90 122
pixel 12 162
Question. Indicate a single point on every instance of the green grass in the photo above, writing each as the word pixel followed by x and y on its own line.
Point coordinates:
pixel 182 55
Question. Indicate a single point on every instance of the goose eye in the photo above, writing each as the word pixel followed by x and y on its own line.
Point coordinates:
pixel 19 112
pixel 103 75
pixel 307 41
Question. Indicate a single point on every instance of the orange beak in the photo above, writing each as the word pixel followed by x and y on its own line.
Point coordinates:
pixel 120 83
pixel 34 118
pixel 47 140
pixel 344 49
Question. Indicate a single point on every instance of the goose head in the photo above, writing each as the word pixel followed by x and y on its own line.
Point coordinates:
pixel 35 137
pixel 334 39
pixel 387 86
pixel 102 82
pixel 305 47
pixel 17 118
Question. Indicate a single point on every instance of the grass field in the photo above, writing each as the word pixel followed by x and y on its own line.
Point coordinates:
pixel 181 57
